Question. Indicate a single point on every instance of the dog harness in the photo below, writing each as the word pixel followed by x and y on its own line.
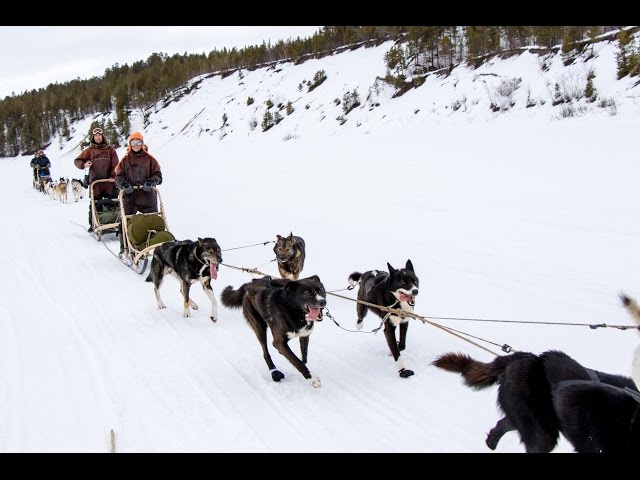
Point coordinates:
pixel 596 380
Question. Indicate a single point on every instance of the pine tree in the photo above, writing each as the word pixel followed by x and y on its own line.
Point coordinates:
pixel 111 134
pixel 590 91
pixel 569 42
pixel 623 57
pixel 592 33
pixel 65 133
pixel 395 60
pixel 267 121
pixel 125 130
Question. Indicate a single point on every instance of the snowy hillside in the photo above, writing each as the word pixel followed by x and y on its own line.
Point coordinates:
pixel 528 85
pixel 522 215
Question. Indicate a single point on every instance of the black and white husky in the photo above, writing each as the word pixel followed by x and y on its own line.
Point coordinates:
pixel 189 262
pixel 397 289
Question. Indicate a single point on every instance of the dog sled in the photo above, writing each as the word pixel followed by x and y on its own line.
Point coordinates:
pixel 105 212
pixel 142 233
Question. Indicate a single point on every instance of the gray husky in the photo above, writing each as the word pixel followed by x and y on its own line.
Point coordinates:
pixel 290 255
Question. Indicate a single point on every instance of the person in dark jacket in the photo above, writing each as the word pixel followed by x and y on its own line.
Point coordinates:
pixel 101 159
pixel 138 168
pixel 40 165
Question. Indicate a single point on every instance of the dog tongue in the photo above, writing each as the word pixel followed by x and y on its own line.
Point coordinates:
pixel 313 314
pixel 407 298
pixel 213 270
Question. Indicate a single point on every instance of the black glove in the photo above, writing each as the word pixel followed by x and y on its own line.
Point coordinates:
pixel 147 186
pixel 128 189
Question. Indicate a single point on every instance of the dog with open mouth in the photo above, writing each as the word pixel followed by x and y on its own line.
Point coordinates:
pixel 189 261
pixel 397 288
pixel 289 308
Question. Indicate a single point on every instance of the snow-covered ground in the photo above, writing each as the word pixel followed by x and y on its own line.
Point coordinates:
pixel 518 215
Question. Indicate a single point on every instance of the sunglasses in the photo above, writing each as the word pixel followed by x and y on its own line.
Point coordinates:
pixel 136 143
pixel 96 131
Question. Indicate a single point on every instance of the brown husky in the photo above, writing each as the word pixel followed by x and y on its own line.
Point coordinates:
pixel 60 190
pixel 290 254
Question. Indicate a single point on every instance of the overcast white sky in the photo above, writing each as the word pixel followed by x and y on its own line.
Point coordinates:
pixel 42 55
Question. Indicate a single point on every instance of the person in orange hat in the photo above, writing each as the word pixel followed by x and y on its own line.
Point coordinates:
pixel 138 168
pixel 101 159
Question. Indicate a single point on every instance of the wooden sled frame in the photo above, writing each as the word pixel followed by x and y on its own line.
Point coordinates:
pixel 134 255
pixel 99 228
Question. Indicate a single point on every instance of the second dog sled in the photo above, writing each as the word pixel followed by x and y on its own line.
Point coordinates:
pixel 105 213
pixel 142 233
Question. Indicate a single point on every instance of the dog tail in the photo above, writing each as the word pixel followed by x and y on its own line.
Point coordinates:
pixel 354 278
pixel 632 306
pixel 477 375
pixel 231 298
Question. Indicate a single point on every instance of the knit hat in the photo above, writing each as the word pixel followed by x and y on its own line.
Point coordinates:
pixel 135 135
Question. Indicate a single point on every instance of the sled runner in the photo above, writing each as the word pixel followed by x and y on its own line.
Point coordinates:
pixel 142 233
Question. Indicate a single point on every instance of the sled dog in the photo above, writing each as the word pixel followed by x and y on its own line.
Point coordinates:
pixel 188 261
pixel 397 289
pixel 290 255
pixel 77 187
pixel 289 308
pixel 543 396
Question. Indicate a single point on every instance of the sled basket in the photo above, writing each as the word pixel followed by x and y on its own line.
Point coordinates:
pixel 147 229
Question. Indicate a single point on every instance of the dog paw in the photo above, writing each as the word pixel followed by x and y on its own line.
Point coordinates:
pixel 404 373
pixel 401 346
pixel 359 324
pixel 193 304
pixel 186 314
pixel 161 305
pixel 314 381
pixel 277 375
pixel 213 318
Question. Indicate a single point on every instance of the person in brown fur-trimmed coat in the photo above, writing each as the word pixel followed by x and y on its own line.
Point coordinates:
pixel 101 159
pixel 138 168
